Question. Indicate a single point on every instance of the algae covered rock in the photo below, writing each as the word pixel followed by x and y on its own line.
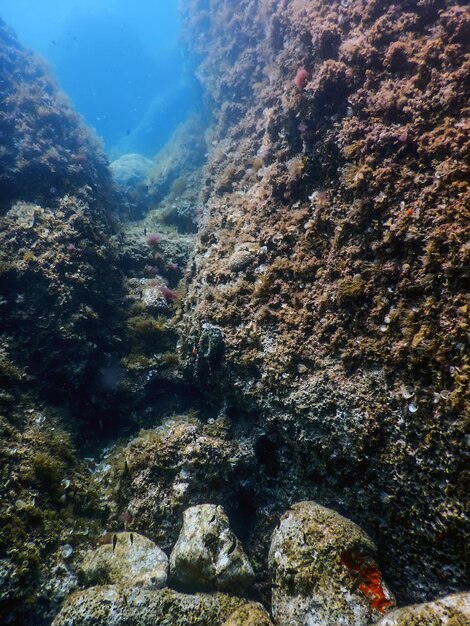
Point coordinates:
pixel 207 554
pixel 250 614
pixel 114 605
pixel 130 170
pixel 331 316
pixel 128 558
pixel 323 570
pixel 47 153
pixel 182 462
pixel 453 610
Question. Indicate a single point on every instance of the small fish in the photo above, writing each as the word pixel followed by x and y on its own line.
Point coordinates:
pixel 128 131
pixel 232 546
pixel 114 542
pixel 131 537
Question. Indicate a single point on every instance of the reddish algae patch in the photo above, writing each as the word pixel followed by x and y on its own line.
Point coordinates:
pixel 369 579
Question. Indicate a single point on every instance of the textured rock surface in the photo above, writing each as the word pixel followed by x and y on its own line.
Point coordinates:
pixel 59 279
pixel 59 285
pixel 324 571
pixel 78 347
pixel 324 315
pixel 179 464
pixel 250 614
pixel 46 150
pixel 182 155
pixel 127 558
pixel 207 554
pixel 346 326
pixel 111 605
pixel 453 610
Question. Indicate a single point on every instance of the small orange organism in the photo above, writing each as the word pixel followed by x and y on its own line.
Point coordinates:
pixel 367 577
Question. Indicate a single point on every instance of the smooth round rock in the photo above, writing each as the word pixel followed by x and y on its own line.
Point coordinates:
pixel 130 170
pixel 207 554
pixel 323 571
pixel 128 558
pixel 120 605
pixel 453 610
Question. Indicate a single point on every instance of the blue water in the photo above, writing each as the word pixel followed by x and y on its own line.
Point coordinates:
pixel 120 62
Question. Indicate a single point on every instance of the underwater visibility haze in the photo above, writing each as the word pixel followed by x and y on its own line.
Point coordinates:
pixel 121 64
pixel 234 312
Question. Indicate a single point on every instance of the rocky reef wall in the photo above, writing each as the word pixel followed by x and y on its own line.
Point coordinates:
pixel 319 350
pixel 60 290
pixel 326 294
pixel 60 282
pixel 88 293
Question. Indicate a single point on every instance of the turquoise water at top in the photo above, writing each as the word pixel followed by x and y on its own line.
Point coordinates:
pixel 120 62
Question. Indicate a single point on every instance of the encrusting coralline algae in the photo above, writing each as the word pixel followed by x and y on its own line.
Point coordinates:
pixel 278 304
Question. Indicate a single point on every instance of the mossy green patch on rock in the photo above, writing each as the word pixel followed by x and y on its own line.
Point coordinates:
pixel 48 511
pixel 162 471
pixel 250 614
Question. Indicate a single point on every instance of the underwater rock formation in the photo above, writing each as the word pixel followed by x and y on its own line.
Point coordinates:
pixel 129 170
pixel 318 349
pixel 207 554
pixel 47 151
pixel 59 280
pixel 182 462
pixel 126 558
pixel 59 289
pixel 249 614
pixel 124 606
pixel 129 173
pixel 175 179
pixel 453 609
pixel 345 326
pixel 324 571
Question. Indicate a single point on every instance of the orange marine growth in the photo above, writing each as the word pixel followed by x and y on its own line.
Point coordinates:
pixel 367 577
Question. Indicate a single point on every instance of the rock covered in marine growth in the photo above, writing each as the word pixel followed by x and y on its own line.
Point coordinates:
pixel 323 570
pixel 130 170
pixel 354 184
pixel 61 297
pixel 121 605
pixel 47 153
pixel 128 558
pixel 250 614
pixel 453 610
pixel 207 554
